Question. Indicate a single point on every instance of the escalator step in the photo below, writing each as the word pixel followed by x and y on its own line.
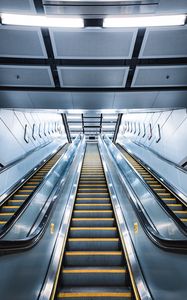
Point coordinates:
pixel 91 293
pixel 93 206
pixel 93 201
pixel 94 276
pixel 89 244
pixel 92 213
pixel 93 232
pixel 180 213
pixel 9 208
pixel 175 206
pixel 95 258
pixel 91 222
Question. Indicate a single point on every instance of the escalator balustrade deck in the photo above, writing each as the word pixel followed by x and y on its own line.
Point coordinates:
pixel 10 207
pixel 94 265
pixel 178 208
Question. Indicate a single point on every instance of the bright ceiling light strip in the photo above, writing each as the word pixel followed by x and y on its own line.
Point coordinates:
pixel 170 20
pixel 41 21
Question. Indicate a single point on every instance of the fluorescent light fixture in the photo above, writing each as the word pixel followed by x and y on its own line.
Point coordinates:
pixel 41 21
pixel 170 20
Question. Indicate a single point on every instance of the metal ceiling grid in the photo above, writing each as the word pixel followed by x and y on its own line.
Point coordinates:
pixel 85 53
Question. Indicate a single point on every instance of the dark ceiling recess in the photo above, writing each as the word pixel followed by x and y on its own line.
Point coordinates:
pixel 92 124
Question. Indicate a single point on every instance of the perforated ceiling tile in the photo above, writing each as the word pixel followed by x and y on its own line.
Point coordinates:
pixel 165 42
pixel 93 43
pixel 25 76
pixel 160 76
pixel 17 5
pixel 21 42
pixel 92 76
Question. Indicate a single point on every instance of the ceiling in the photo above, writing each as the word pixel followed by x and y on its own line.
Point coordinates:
pixel 93 68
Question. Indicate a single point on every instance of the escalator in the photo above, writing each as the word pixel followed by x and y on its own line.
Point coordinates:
pixel 14 204
pixel 94 265
pixel 165 195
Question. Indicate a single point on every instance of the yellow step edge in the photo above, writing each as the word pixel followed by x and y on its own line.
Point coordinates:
pixel 11 206
pixel 180 211
pixel 174 204
pixel 93 239
pixel 183 220
pixel 92 193
pixel 15 201
pixel 6 214
pixel 2 222
pixel 92 199
pixel 24 190
pixel 82 295
pixel 65 271
pixel 93 228
pixel 21 195
pixel 94 204
pixel 82 253
pixel 84 189
pixel 92 219
pixel 92 211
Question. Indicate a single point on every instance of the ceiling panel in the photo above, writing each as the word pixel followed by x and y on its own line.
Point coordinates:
pixel 94 100
pixel 29 76
pixel 160 76
pixel 17 6
pixel 165 42
pixel 171 99
pixel 93 43
pixel 52 100
pixel 134 100
pixel 93 76
pixel 12 99
pixel 21 42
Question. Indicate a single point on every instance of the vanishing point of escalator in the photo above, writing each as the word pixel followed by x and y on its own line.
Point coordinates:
pixel 178 208
pixel 94 265
pixel 16 200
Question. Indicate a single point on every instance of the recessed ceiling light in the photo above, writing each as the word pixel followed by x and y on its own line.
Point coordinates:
pixel 169 20
pixel 41 21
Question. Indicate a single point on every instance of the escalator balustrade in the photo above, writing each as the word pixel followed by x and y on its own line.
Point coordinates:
pixel 178 208
pixel 10 207
pixel 93 265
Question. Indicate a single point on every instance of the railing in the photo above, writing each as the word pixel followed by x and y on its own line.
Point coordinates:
pixel 173 239
pixel 64 165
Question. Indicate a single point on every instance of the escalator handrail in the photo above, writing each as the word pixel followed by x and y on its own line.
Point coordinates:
pixel 25 178
pixel 152 233
pixel 15 245
pixel 4 230
pixel 168 211
pixel 180 195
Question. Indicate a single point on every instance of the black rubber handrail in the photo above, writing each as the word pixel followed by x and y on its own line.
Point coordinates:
pixel 7 246
pixel 151 232
pixel 167 210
